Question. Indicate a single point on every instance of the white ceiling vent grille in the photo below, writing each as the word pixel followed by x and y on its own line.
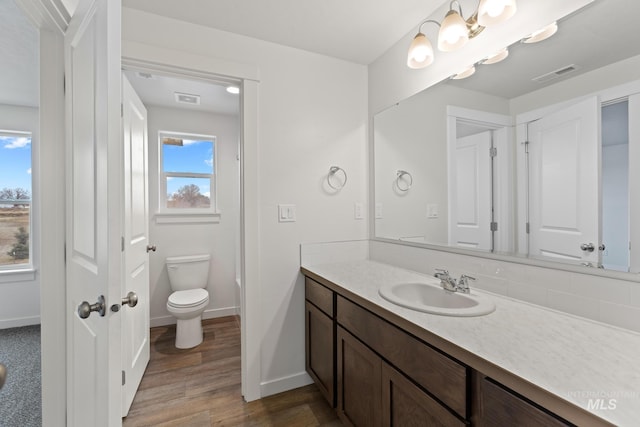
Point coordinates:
pixel 187 98
pixel 556 73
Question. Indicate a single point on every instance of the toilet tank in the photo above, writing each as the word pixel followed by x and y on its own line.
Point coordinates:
pixel 188 272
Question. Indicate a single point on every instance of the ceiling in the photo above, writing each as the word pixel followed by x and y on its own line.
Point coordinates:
pixel 354 30
pixel 19 73
pixel 158 90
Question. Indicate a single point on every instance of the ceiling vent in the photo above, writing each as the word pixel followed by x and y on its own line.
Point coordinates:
pixel 560 72
pixel 186 98
pixel 143 75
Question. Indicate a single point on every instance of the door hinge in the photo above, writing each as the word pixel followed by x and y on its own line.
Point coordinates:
pixel 122 244
pixel 494 226
pixel 493 152
pixel 526 147
pixel 527 228
pixel 124 378
pixel 121 110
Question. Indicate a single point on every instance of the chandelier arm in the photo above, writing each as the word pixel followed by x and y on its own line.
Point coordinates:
pixel 428 20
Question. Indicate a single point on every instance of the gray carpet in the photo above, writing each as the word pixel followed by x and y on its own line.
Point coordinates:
pixel 21 396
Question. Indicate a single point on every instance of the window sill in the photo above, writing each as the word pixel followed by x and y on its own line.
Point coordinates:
pixel 187 218
pixel 27 274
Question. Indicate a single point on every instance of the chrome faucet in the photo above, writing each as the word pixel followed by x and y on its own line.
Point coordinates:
pixel 448 283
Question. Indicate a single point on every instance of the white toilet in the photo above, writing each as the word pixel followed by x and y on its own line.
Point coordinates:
pixel 188 276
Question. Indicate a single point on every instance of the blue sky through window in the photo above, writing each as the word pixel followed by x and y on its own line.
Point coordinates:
pixel 194 156
pixel 15 162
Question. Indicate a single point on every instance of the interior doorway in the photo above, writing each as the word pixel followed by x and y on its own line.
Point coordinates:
pixel 190 109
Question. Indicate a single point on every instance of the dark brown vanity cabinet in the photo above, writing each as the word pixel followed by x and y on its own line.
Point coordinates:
pixel 376 374
pixel 499 406
pixel 320 337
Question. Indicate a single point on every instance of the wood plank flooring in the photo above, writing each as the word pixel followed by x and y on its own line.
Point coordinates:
pixel 201 387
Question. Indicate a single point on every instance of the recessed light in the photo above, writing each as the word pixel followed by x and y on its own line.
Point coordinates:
pixel 541 34
pixel 233 89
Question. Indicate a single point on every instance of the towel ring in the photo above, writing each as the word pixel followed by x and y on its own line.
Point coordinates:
pixel 399 180
pixel 333 170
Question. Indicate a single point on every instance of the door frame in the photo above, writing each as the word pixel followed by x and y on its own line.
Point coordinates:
pixel 180 64
pixel 51 19
pixel 502 177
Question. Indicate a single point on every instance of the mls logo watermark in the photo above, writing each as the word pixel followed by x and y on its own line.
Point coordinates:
pixel 606 400
pixel 601 404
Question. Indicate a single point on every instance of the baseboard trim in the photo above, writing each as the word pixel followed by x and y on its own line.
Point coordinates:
pixel 21 321
pixel 287 383
pixel 208 314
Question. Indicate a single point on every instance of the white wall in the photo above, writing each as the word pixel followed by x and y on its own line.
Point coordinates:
pixel 312 114
pixel 216 239
pixel 20 292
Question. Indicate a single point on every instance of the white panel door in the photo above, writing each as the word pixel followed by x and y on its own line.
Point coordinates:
pixel 93 200
pixel 470 207
pixel 564 173
pixel 135 320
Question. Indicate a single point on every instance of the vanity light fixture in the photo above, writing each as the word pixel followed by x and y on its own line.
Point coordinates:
pixel 496 57
pixel 493 12
pixel 541 34
pixel 464 74
pixel 455 31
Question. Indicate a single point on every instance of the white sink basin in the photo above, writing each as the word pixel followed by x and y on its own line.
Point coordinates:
pixel 433 299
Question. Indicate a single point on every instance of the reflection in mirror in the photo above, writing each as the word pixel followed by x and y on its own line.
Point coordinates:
pixel 532 156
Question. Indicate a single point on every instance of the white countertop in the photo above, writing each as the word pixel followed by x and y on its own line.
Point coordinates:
pixel 576 359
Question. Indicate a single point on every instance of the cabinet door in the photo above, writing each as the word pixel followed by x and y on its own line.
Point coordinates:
pixel 500 407
pixel 320 351
pixel 405 404
pixel 359 382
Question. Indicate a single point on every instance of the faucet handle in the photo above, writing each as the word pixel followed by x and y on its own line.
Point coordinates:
pixel 441 272
pixel 463 283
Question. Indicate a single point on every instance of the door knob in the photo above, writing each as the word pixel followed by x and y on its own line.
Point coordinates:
pixel 3 374
pixel 85 309
pixel 602 247
pixel 151 248
pixel 131 299
pixel 589 247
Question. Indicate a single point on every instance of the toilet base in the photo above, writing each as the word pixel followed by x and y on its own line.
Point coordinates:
pixel 189 332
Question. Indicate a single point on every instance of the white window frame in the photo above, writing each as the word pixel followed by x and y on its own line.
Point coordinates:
pixel 26 271
pixel 180 215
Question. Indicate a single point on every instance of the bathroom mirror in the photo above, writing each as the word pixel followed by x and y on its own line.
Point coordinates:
pixel 532 157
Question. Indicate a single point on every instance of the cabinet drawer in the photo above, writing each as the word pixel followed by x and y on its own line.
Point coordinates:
pixel 320 296
pixel 442 376
pixel 500 407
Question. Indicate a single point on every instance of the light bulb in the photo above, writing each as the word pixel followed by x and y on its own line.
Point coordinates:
pixel 420 52
pixel 493 12
pixel 453 32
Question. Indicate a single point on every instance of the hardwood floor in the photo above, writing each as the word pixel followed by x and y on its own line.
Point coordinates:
pixel 201 387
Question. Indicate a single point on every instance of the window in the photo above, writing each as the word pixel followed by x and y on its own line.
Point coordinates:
pixel 188 170
pixel 15 200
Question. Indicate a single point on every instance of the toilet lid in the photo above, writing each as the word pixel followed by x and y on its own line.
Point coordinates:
pixel 188 298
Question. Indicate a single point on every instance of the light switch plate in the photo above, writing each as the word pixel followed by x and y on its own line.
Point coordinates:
pixel 286 213
pixel 432 210
pixel 378 210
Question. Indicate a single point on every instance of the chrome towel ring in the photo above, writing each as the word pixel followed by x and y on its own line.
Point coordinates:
pixel 333 175
pixel 404 180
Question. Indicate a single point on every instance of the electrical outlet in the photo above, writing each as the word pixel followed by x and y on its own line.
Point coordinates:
pixel 358 211
pixel 432 210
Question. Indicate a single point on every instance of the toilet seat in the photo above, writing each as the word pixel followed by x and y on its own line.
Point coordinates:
pixel 188 298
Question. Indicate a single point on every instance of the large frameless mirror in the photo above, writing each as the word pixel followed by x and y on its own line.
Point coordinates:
pixel 531 157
